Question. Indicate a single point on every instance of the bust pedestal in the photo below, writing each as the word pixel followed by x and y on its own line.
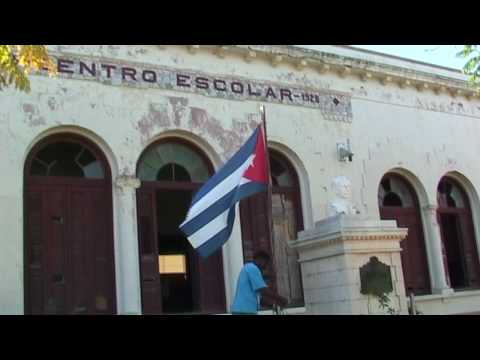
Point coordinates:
pixel 331 255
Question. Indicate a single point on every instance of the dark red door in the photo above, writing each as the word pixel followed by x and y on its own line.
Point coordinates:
pixel 461 260
pixel 147 236
pixel 398 201
pixel 472 262
pixel 89 272
pixel 46 236
pixel 413 255
pixel 35 232
pixel 255 228
pixel 211 291
pixel 460 255
pixel 256 231
pixel 69 255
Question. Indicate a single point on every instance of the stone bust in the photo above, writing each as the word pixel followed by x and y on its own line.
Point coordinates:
pixel 342 203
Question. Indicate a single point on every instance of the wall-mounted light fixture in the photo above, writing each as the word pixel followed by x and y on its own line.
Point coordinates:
pixel 344 152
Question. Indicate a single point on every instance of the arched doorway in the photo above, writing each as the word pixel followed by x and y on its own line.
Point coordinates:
pixel 174 278
pixel 287 222
pixel 398 201
pixel 456 227
pixel 69 252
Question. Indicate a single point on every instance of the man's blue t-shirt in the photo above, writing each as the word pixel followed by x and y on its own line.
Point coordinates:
pixel 247 296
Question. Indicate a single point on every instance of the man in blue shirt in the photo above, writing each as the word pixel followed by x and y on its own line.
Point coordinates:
pixel 251 286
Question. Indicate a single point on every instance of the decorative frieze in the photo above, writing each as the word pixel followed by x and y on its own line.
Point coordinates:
pixel 192 49
pixel 366 76
pixel 221 51
pixel 344 71
pixel 276 59
pixel 302 64
pixel 404 83
pixel 250 56
pixel 333 105
pixel 323 68
pixel 386 80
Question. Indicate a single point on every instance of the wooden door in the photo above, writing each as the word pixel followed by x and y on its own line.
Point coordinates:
pixel 46 239
pixel 211 289
pixel 285 228
pixel 461 258
pixel 256 231
pixel 472 261
pixel 460 254
pixel 413 255
pixel 36 293
pixel 89 274
pixel 69 252
pixel 147 236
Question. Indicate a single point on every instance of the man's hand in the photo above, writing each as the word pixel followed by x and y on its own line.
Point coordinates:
pixel 273 298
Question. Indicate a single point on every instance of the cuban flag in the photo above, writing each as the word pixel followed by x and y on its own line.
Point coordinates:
pixel 210 219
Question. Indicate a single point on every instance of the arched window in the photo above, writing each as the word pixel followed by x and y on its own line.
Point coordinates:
pixel 393 191
pixel 456 227
pixel 281 171
pixel 397 201
pixel 450 195
pixel 66 159
pixel 173 161
pixel 173 172
pixel 287 222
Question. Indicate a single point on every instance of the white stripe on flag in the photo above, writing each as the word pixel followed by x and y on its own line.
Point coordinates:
pixel 208 231
pixel 223 188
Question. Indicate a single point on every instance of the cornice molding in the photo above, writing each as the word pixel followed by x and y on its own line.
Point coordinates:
pixel 344 66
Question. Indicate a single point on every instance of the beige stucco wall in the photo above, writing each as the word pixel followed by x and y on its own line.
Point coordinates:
pixel 421 134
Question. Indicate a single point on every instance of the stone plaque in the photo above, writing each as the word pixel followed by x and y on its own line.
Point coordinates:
pixel 375 278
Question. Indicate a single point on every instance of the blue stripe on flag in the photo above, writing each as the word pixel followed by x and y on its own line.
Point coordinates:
pixel 216 242
pixel 221 205
pixel 238 159
pixel 249 189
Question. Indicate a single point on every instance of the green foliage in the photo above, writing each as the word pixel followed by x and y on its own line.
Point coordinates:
pixel 384 302
pixel 18 61
pixel 472 66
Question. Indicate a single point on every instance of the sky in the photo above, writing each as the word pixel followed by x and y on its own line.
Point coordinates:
pixel 443 55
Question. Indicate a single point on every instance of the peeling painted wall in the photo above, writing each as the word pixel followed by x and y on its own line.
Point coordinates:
pixel 424 133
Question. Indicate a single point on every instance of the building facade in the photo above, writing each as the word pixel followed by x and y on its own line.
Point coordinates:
pixel 98 166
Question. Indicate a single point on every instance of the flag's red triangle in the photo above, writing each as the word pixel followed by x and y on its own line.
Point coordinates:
pixel 258 170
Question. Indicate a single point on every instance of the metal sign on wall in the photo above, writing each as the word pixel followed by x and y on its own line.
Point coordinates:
pixel 333 105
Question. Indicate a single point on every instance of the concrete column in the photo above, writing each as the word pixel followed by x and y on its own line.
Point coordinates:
pixel 437 268
pixel 128 269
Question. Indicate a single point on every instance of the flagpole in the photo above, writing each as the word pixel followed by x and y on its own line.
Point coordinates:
pixel 269 189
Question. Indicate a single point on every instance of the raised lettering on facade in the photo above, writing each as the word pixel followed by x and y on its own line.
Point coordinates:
pixel 328 102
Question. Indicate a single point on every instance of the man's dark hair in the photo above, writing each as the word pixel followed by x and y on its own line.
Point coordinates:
pixel 261 254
